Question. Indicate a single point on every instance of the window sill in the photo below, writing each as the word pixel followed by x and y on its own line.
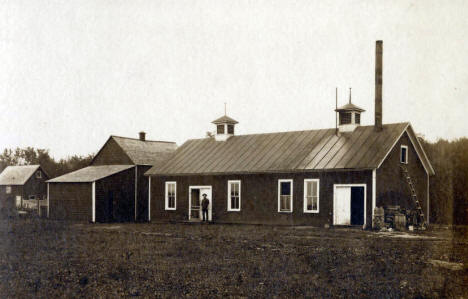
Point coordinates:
pixel 234 210
pixel 311 212
pixel 289 212
pixel 170 209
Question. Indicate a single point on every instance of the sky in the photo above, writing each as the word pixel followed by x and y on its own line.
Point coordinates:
pixel 72 73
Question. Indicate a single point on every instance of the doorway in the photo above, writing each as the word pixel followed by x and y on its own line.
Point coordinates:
pixel 195 197
pixel 349 204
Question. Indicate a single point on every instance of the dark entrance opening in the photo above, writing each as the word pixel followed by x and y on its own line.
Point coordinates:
pixel 195 204
pixel 110 206
pixel 357 205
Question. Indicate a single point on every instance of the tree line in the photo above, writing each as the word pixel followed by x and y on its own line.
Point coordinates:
pixel 33 156
pixel 448 188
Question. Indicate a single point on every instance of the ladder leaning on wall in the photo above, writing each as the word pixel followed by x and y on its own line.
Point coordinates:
pixel 414 196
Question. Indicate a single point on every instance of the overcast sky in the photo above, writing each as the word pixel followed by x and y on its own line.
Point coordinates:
pixel 74 72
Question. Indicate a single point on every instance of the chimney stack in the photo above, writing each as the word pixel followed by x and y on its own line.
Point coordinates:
pixel 378 84
pixel 142 136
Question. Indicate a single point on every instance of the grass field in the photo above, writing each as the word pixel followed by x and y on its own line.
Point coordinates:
pixel 40 258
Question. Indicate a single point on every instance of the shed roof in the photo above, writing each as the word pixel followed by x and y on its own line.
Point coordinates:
pixel 364 148
pixel 145 152
pixel 90 174
pixel 17 175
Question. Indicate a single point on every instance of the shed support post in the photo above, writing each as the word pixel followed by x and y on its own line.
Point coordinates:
pixel 136 191
pixel 374 191
pixel 149 198
pixel 48 200
pixel 428 202
pixel 93 217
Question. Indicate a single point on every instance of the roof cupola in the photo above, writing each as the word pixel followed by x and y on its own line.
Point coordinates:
pixel 349 116
pixel 224 127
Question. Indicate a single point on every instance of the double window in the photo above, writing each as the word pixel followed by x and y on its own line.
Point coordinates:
pixel 404 154
pixel 311 195
pixel 285 195
pixel 171 195
pixel 234 195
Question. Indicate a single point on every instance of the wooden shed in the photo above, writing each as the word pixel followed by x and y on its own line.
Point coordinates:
pixel 24 188
pixel 116 175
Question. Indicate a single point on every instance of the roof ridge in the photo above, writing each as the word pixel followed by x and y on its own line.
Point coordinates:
pixel 137 139
pixel 294 131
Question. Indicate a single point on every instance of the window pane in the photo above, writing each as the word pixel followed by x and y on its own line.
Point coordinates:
pixel 220 129
pixel 357 118
pixel 230 129
pixel 314 189
pixel 285 188
pixel 345 118
pixel 403 154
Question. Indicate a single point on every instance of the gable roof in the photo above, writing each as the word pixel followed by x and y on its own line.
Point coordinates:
pixel 17 175
pixel 143 152
pixel 364 148
pixel 90 174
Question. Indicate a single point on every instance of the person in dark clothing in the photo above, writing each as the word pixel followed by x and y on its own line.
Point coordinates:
pixel 205 203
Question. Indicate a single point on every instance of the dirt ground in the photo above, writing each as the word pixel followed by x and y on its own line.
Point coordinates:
pixel 41 258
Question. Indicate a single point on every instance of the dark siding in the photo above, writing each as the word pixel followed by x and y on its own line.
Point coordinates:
pixel 392 188
pixel 9 200
pixel 142 189
pixel 70 201
pixel 259 197
pixel 36 186
pixel 123 191
pixel 111 154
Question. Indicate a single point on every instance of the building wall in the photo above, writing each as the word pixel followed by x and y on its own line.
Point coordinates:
pixel 391 185
pixel 36 186
pixel 142 189
pixel 9 200
pixel 121 188
pixel 70 201
pixel 111 154
pixel 33 186
pixel 259 197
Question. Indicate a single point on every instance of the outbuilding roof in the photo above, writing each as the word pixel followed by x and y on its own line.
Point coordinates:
pixel 90 174
pixel 17 175
pixel 145 152
pixel 364 148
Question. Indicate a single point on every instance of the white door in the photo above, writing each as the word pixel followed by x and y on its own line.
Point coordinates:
pixel 206 191
pixel 342 206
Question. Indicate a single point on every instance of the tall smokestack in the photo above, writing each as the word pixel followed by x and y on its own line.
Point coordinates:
pixel 378 84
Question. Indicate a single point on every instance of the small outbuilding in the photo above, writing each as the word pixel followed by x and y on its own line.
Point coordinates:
pixel 113 187
pixel 24 188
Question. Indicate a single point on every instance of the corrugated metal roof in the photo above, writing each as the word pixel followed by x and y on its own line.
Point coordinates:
pixel 17 175
pixel 364 148
pixel 145 152
pixel 90 174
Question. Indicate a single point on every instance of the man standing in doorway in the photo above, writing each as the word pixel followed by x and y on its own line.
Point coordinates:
pixel 205 203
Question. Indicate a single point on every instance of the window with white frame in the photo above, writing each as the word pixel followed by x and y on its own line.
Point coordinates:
pixel 285 194
pixel 311 195
pixel 8 190
pixel 234 195
pixel 171 195
pixel 404 154
pixel 38 174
